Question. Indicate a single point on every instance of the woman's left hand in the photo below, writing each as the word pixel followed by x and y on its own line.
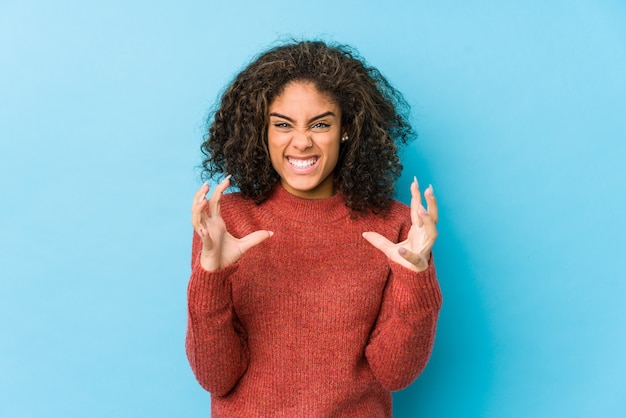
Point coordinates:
pixel 414 252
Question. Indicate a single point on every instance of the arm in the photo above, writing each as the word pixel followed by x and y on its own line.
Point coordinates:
pixel 216 342
pixel 403 337
pixel 216 345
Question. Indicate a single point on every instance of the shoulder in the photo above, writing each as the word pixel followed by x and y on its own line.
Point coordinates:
pixel 397 214
pixel 241 215
pixel 399 210
pixel 398 219
pixel 234 204
pixel 393 223
pixel 236 201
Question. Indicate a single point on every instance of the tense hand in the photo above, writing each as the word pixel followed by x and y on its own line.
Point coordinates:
pixel 219 248
pixel 414 252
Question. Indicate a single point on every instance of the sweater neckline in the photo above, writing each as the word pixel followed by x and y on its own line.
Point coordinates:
pixel 311 211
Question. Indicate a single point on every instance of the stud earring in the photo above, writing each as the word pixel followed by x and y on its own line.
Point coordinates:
pixel 344 139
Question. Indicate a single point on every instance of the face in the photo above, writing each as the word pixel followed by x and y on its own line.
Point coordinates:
pixel 303 138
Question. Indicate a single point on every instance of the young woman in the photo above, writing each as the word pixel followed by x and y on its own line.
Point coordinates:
pixel 313 292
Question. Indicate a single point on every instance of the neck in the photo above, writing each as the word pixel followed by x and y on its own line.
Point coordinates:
pixel 321 210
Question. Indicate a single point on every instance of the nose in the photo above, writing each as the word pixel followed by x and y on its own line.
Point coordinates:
pixel 302 141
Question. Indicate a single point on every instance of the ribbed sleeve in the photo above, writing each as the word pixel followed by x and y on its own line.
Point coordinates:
pixel 403 338
pixel 217 353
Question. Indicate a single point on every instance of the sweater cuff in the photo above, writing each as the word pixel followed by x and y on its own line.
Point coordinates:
pixel 416 291
pixel 209 290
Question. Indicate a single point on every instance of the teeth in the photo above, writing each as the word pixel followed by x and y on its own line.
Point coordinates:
pixel 302 163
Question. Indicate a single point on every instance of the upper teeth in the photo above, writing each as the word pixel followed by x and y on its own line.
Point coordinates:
pixel 302 163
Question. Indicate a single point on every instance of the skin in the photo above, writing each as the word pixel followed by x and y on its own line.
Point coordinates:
pixel 304 125
pixel 414 252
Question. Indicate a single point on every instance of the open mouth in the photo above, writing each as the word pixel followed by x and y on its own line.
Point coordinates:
pixel 302 164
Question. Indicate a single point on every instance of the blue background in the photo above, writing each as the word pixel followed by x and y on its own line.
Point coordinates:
pixel 520 110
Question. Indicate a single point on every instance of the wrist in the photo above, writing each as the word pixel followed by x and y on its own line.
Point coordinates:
pixel 209 263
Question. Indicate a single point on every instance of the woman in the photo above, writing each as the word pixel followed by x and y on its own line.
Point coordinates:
pixel 313 292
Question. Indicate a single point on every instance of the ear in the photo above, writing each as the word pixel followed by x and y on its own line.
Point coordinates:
pixel 344 138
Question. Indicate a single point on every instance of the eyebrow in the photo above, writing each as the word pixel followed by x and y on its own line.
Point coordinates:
pixel 323 115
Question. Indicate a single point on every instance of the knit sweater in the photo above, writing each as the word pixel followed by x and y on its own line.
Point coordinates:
pixel 314 321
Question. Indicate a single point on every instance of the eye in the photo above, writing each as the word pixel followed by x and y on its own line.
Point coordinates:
pixel 321 125
pixel 281 125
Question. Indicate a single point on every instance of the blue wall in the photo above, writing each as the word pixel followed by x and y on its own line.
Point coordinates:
pixel 520 109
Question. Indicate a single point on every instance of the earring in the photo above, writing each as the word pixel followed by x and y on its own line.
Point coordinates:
pixel 344 139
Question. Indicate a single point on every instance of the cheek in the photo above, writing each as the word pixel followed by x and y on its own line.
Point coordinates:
pixel 275 150
pixel 332 151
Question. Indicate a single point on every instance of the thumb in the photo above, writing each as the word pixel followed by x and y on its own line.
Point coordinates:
pixel 252 239
pixel 378 240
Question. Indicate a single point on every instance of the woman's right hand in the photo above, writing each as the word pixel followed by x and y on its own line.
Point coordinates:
pixel 219 248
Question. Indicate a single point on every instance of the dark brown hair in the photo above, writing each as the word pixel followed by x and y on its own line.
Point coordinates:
pixel 374 114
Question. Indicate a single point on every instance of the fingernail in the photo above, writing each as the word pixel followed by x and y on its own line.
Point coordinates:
pixel 401 250
pixel 432 191
pixel 228 177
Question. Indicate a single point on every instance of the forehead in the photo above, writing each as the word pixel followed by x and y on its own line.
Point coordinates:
pixel 303 94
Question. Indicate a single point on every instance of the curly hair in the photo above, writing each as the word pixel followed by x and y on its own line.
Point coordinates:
pixel 374 115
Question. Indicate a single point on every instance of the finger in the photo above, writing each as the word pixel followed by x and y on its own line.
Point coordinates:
pixel 378 241
pixel 416 203
pixel 430 228
pixel 200 195
pixel 198 206
pixel 214 201
pixel 252 239
pixel 413 258
pixel 431 201
pixel 196 218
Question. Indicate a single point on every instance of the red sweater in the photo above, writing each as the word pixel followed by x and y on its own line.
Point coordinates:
pixel 314 321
